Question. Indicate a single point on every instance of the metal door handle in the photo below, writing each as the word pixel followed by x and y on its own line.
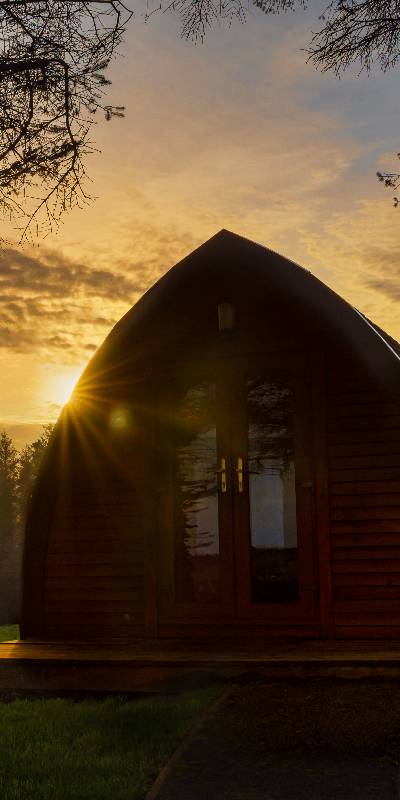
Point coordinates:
pixel 222 472
pixel 239 472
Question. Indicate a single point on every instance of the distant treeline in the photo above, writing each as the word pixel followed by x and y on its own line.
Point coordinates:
pixel 18 470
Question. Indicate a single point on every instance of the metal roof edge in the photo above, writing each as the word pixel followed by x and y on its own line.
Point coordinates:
pixel 377 333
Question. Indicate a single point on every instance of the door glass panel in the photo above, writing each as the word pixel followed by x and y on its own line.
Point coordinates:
pixel 272 493
pixel 196 499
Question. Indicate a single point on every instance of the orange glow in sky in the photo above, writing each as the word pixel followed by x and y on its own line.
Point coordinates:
pixel 60 386
pixel 238 133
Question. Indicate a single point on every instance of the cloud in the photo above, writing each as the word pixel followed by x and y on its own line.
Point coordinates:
pixel 50 303
pixel 240 133
pixel 52 275
pixel 386 270
pixel 390 287
pixel 14 338
pixel 61 307
pixel 357 254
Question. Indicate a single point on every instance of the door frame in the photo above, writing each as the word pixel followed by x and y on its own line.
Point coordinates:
pixel 170 610
pixel 305 609
pixel 186 622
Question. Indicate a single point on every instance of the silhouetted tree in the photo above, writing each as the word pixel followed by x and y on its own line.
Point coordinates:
pixel 197 16
pixel 8 527
pixel 53 56
pixel 18 473
pixel 29 461
pixel 8 486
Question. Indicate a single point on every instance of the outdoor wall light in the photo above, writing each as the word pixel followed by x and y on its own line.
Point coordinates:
pixel 226 317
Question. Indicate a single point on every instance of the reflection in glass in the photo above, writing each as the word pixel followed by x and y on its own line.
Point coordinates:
pixel 274 564
pixel 196 520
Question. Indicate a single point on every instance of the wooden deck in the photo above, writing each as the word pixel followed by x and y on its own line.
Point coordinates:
pixel 146 666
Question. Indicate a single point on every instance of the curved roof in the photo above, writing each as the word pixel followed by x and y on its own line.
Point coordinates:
pixel 236 254
pixel 393 345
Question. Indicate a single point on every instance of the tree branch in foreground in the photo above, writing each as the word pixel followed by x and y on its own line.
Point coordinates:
pixel 53 56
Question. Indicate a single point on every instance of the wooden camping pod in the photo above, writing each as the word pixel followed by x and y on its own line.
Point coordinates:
pixel 114 546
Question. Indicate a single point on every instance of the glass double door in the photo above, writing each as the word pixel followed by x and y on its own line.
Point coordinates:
pixel 236 513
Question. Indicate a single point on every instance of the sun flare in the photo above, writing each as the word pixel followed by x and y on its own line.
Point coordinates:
pixel 61 386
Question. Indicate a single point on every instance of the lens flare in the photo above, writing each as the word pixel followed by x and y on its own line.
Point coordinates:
pixel 60 386
pixel 119 419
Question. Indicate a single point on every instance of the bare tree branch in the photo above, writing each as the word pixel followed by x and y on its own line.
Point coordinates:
pixel 361 33
pixel 53 56
pixel 53 59
pixel 198 16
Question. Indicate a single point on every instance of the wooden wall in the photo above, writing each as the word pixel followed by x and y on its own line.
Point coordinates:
pixel 97 570
pixel 91 561
pixel 94 581
pixel 364 475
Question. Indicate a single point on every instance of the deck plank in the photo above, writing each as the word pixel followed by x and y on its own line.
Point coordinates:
pixel 154 666
pixel 179 652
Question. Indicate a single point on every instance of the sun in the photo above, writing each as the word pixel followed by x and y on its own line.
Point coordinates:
pixel 61 385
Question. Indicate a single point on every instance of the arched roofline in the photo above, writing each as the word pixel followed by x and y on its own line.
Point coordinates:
pixel 372 344
pixel 268 268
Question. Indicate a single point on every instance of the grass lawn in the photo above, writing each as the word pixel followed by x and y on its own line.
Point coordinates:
pixel 111 749
pixel 9 632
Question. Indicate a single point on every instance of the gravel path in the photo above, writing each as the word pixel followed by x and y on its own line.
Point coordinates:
pixel 295 740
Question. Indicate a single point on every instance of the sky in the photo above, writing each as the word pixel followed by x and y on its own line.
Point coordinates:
pixel 239 132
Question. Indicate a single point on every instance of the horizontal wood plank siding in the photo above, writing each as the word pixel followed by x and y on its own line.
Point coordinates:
pixel 94 569
pixel 364 471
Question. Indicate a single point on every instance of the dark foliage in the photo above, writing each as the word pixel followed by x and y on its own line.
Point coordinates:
pixel 8 487
pixel 9 540
pixel 18 473
pixel 198 16
pixel 29 461
pixel 53 56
